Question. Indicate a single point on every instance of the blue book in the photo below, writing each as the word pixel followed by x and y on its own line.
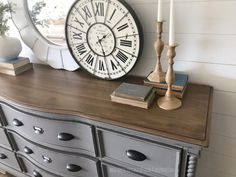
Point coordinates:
pixel 132 91
pixel 14 63
pixel 181 81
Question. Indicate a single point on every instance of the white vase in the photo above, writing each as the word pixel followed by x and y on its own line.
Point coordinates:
pixel 10 48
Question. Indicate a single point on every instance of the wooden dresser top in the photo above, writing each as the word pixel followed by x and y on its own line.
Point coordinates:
pixel 77 93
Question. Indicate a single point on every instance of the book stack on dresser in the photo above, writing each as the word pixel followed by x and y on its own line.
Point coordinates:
pixel 15 66
pixel 178 88
pixel 134 95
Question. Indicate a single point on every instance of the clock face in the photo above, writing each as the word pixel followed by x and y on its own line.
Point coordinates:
pixel 104 37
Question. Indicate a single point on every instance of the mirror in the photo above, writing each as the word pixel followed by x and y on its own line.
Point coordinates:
pixel 49 18
pixel 41 26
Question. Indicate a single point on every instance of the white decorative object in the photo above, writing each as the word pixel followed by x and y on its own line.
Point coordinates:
pixel 43 49
pixel 172 25
pixel 10 48
pixel 160 11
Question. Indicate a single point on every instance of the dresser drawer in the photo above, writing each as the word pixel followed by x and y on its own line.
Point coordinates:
pixel 69 165
pixel 69 136
pixel 111 171
pixel 8 158
pixel 4 140
pixel 152 157
pixel 32 170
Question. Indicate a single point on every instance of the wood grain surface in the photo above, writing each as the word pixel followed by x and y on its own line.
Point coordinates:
pixel 77 93
pixel 5 175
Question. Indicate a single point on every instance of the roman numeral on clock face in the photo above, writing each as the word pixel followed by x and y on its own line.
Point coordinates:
pixel 87 12
pixel 122 27
pixel 99 9
pixel 126 43
pixel 112 15
pixel 101 65
pixel 122 57
pixel 90 59
pixel 81 49
pixel 114 67
pixel 77 36
pixel 77 21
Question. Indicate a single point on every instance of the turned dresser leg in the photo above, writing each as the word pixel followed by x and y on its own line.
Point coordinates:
pixel 191 166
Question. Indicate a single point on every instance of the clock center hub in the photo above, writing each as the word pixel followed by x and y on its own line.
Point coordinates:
pixel 101 39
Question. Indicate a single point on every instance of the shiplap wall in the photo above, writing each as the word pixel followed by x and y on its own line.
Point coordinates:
pixel 206 33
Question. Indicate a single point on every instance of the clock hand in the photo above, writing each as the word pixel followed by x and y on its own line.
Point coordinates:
pixel 105 36
pixel 100 42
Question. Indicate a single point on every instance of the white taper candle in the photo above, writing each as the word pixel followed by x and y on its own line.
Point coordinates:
pixel 172 24
pixel 160 11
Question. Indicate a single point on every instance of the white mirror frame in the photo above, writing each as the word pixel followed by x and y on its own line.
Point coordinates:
pixel 54 55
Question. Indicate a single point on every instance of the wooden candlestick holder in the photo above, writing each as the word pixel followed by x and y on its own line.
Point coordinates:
pixel 158 75
pixel 169 101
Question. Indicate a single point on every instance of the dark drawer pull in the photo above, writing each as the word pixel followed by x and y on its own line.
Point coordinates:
pixel 73 168
pixel 38 130
pixel 47 159
pixel 135 155
pixel 65 136
pixel 3 156
pixel 17 123
pixel 36 174
pixel 28 150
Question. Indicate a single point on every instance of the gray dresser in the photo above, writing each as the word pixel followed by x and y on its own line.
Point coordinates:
pixel 39 138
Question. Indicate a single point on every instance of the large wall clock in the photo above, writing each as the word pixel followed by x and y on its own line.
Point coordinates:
pixel 104 37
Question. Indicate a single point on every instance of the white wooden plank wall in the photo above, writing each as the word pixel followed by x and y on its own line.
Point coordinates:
pixel 206 33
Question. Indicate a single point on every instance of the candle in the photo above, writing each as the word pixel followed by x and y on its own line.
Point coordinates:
pixel 172 24
pixel 159 11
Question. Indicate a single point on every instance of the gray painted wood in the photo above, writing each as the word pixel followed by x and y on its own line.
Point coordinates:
pixel 12 171
pixel 163 154
pixel 30 168
pixel 162 160
pixel 111 171
pixel 56 161
pixel 46 131
pixel 10 159
pixel 4 140
pixel 191 166
pixel 194 149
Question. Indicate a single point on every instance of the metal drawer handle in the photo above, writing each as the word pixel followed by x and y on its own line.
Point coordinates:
pixel 73 168
pixel 17 123
pixel 135 155
pixel 38 130
pixel 36 174
pixel 65 136
pixel 28 150
pixel 47 159
pixel 3 156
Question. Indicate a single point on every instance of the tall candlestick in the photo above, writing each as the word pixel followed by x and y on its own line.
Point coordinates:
pixel 172 25
pixel 169 101
pixel 159 11
pixel 158 75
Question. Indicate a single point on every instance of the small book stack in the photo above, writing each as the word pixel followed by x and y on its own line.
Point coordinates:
pixel 16 66
pixel 178 88
pixel 134 95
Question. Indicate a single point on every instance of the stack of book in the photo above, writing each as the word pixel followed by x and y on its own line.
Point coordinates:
pixel 178 88
pixel 16 66
pixel 134 95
